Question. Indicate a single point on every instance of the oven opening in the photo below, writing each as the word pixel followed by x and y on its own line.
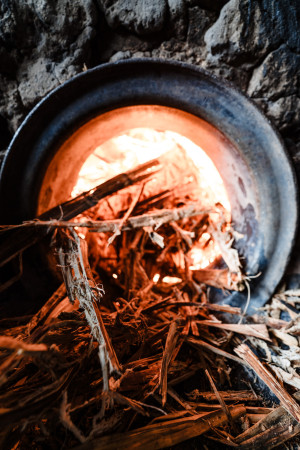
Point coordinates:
pixel 189 176
pixel 174 228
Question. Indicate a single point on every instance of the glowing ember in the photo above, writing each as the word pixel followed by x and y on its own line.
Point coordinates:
pixel 171 280
pixel 204 252
pixel 141 145
pixel 156 278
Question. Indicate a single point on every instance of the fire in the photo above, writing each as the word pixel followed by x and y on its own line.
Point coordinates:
pixel 140 145
pixel 156 277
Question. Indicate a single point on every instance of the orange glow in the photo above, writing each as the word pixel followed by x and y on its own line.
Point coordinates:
pixel 156 277
pixel 140 145
pixel 171 280
pixel 204 252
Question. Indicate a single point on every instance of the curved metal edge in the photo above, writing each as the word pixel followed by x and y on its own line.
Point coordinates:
pixel 264 292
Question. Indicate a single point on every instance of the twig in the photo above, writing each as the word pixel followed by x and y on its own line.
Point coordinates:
pixel 220 400
pixel 218 351
pixel 127 214
pixel 153 219
pixel 257 330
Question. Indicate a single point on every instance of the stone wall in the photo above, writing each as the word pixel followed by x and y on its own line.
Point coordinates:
pixel 253 43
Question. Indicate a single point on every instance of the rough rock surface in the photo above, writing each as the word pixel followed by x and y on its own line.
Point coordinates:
pixel 253 43
pixel 275 85
pixel 42 44
pixel 259 48
pixel 142 17
pixel 253 29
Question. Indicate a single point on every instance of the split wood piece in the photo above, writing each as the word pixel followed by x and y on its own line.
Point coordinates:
pixel 219 278
pixel 221 308
pixel 258 330
pixel 273 437
pixel 205 406
pixel 220 399
pixel 18 348
pixel 285 398
pixel 73 265
pixel 259 409
pixel 133 404
pixel 96 290
pixel 272 419
pixel 170 416
pixel 255 418
pixel 185 376
pixel 188 312
pixel 276 428
pixel 18 240
pixel 167 357
pixel 218 351
pixel 165 434
pixel 241 396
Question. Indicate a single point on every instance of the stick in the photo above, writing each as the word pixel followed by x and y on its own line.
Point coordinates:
pixel 153 219
pixel 218 351
pixel 220 400
pixel 18 240
pixel 164 434
pixel 78 286
pixel 271 421
pixel 167 356
pixel 258 330
pixel 240 396
pixel 285 398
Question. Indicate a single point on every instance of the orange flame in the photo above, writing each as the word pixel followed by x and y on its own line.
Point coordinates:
pixel 141 145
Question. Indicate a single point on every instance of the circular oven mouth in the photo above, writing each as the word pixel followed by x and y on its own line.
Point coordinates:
pixel 59 135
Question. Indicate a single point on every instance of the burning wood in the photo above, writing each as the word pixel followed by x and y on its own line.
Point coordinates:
pixel 161 343
pixel 20 240
pixel 74 265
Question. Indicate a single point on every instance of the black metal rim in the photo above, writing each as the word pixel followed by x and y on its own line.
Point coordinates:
pixel 172 84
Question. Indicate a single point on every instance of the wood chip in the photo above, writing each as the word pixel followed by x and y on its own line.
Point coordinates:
pixel 285 398
pixel 260 331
